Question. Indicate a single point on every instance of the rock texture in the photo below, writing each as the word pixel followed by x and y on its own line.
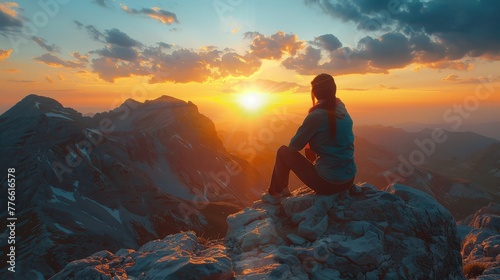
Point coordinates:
pixel 362 233
pixel 179 256
pixel 480 235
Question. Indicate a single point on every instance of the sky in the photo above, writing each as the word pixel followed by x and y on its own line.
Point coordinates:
pixel 394 61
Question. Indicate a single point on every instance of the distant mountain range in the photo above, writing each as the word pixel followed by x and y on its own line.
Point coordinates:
pixel 488 129
pixel 120 178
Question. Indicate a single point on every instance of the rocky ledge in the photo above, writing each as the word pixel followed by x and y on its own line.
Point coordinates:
pixel 364 233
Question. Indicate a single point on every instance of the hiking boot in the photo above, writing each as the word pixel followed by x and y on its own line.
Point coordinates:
pixel 275 199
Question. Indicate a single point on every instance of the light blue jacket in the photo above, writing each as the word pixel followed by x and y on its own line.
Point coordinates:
pixel 335 162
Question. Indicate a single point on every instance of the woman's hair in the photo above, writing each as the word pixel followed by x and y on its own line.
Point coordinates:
pixel 324 89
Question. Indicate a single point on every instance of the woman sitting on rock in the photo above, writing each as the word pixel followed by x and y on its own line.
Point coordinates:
pixel 327 131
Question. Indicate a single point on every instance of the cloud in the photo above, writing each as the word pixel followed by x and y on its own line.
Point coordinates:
pixel 327 42
pixel 123 56
pixel 474 80
pixel 9 18
pixel 4 54
pixel 49 79
pixel 119 52
pixel 274 46
pixel 154 13
pixel 91 30
pixel 164 45
pixel 11 70
pixel 451 78
pixel 80 57
pixel 101 3
pixel 119 38
pixel 109 69
pixel 268 86
pixel 119 45
pixel 386 87
pixel 233 64
pixel 42 43
pixel 20 81
pixel 391 50
pixel 55 61
pixel 458 28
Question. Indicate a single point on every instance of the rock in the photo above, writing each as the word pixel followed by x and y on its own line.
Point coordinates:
pixel 404 234
pixel 402 228
pixel 174 257
pixel 295 239
pixel 481 240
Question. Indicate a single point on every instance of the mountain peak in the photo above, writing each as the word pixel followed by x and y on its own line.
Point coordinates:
pixel 33 105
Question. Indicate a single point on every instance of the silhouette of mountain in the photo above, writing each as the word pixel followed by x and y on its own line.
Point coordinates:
pixel 488 129
pixel 118 179
pixel 450 145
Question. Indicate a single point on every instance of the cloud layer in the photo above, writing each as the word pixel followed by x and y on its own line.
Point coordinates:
pixel 5 54
pixel 160 15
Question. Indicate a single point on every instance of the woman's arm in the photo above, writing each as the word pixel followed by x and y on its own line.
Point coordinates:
pixel 306 131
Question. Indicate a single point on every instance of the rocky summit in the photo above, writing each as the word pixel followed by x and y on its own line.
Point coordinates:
pixel 480 234
pixel 363 233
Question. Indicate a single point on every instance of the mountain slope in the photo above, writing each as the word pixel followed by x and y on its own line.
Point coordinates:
pixel 118 179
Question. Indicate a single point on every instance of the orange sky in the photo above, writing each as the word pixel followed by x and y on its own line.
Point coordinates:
pixel 93 65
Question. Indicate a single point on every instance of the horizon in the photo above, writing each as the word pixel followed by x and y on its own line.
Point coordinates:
pixel 388 70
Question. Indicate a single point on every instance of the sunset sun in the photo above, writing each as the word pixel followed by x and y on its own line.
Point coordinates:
pixel 252 101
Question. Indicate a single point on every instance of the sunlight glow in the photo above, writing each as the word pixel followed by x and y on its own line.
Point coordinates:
pixel 252 101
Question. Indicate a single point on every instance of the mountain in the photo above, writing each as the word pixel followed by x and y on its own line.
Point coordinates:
pixel 458 168
pixel 482 167
pixel 363 233
pixel 437 146
pixel 461 197
pixel 488 129
pixel 117 179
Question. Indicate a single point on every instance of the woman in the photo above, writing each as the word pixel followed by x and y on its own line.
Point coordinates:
pixel 327 130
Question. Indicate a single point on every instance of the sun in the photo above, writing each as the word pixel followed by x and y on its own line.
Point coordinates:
pixel 252 101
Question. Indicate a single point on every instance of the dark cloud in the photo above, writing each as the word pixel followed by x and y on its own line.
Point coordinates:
pixel 458 28
pixel 42 43
pixel 119 52
pixel 340 62
pixel 9 18
pixel 274 46
pixel 93 32
pixel 327 42
pixel 119 38
pixel 164 45
pixel 101 3
pixel 119 45
pixel 55 61
pixel 154 13
pixel 391 50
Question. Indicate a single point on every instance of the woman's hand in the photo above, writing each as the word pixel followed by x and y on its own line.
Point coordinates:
pixel 310 155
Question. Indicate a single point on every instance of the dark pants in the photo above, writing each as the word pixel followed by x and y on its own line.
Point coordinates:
pixel 287 160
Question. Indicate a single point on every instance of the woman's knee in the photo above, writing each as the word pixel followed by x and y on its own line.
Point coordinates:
pixel 283 150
